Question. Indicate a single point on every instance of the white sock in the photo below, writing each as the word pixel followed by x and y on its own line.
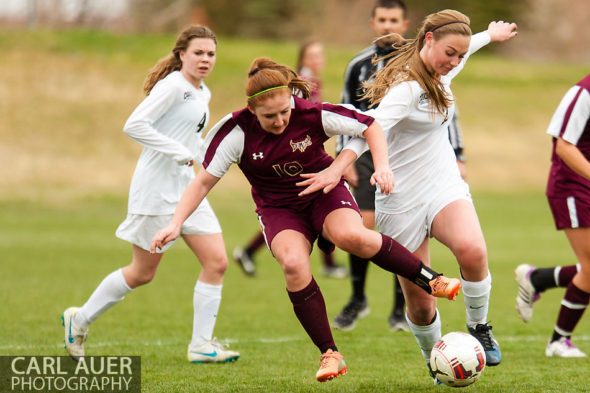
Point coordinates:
pixel 426 336
pixel 206 300
pixel 108 293
pixel 477 299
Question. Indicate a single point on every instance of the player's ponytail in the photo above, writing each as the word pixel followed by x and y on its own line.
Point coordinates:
pixel 266 78
pixel 172 62
pixel 407 64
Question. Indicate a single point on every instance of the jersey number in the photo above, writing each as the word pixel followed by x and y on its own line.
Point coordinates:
pixel 202 123
pixel 292 168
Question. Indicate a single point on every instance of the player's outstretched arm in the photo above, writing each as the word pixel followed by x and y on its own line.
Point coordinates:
pixel 327 179
pixel 502 31
pixel 191 199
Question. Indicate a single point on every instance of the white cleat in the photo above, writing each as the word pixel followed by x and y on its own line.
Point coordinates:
pixel 563 348
pixel 212 352
pixel 526 292
pixel 75 336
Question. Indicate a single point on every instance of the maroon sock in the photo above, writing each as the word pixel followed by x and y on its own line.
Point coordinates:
pixel 573 305
pixel 395 258
pixel 310 309
pixel 566 275
pixel 328 259
pixel 255 244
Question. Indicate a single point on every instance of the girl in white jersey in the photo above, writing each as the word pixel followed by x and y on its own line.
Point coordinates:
pixel 429 198
pixel 168 123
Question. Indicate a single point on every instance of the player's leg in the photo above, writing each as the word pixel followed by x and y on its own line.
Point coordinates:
pixel 210 251
pixel 397 320
pixel 357 307
pixel 291 249
pixel 456 226
pixel 575 300
pixel 244 257
pixel 109 292
pixel 330 268
pixel 344 228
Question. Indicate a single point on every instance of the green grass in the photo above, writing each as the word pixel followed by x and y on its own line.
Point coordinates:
pixel 53 257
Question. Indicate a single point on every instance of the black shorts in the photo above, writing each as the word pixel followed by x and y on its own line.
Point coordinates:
pixel 364 192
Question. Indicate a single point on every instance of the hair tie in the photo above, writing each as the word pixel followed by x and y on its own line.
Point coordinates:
pixel 265 90
pixel 448 23
pixel 254 71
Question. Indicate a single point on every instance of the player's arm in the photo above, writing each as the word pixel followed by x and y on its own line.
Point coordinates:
pixel 139 125
pixel 573 157
pixel 191 198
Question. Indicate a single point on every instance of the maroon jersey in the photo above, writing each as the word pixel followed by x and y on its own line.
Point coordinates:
pixel 571 121
pixel 273 164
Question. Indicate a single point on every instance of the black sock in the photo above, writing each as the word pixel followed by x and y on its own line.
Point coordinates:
pixel 424 276
pixel 358 276
pixel 543 279
pixel 399 300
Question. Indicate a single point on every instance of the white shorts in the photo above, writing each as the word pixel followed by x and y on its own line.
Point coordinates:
pixel 411 227
pixel 139 229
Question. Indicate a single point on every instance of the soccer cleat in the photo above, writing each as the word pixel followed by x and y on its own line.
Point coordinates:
pixel 433 375
pixel 75 336
pixel 244 259
pixel 354 310
pixel 563 348
pixel 397 322
pixel 331 365
pixel 527 295
pixel 211 352
pixel 442 286
pixel 483 333
pixel 335 271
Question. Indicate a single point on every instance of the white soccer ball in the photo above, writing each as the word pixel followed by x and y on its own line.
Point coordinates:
pixel 457 359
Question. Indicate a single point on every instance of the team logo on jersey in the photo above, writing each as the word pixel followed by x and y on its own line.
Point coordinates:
pixel 423 99
pixel 346 203
pixel 301 146
pixel 258 155
pixel 188 96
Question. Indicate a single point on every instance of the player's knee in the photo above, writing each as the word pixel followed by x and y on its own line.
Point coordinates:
pixel 471 253
pixel 349 239
pixel 217 265
pixel 293 264
pixel 142 277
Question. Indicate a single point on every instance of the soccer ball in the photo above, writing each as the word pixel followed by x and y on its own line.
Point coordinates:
pixel 457 359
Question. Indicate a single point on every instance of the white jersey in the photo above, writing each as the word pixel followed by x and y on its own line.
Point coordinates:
pixel 168 123
pixel 420 155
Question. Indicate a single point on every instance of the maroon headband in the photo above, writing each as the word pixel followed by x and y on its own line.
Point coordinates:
pixel 448 23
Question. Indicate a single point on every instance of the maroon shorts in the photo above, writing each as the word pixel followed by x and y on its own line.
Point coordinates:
pixel 569 212
pixel 307 220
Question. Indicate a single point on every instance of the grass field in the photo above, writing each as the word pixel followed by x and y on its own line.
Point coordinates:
pixel 54 257
pixel 65 168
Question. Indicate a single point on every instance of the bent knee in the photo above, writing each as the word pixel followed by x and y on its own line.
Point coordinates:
pixel 471 253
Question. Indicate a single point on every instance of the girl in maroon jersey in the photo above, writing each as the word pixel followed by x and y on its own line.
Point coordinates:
pixel 275 140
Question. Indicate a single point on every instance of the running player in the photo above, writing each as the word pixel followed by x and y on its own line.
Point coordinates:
pixel 387 17
pixel 568 192
pixel 275 140
pixel 169 124
pixel 310 64
pixel 430 197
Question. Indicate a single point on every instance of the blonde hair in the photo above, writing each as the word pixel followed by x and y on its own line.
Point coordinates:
pixel 266 77
pixel 172 62
pixel 406 64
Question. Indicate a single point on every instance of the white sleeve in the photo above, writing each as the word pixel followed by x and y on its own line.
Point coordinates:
pixel 395 106
pixel 571 116
pixel 140 128
pixel 224 145
pixel 345 122
pixel 477 42
pixel 357 145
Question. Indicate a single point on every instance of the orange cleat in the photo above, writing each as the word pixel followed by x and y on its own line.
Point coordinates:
pixel 331 365
pixel 442 286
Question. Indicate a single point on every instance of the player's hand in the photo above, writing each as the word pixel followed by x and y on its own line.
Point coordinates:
pixel 324 180
pixel 502 31
pixel 351 175
pixel 164 236
pixel 383 177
